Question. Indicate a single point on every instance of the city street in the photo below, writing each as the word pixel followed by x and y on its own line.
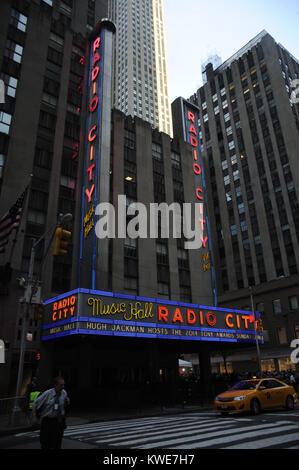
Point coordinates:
pixel 197 430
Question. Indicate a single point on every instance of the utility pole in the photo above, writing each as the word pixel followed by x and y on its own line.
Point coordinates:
pixel 256 338
pixel 29 293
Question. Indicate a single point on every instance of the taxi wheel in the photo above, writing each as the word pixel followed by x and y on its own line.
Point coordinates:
pixel 289 403
pixel 255 407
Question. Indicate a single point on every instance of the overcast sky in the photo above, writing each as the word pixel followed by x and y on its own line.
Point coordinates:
pixel 195 30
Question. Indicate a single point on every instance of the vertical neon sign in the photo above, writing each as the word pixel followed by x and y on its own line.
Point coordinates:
pixel 92 155
pixel 192 135
pixel 94 255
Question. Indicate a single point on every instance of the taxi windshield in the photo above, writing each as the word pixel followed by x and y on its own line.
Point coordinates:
pixel 246 385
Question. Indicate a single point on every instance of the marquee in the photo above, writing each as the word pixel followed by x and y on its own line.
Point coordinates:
pixel 91 312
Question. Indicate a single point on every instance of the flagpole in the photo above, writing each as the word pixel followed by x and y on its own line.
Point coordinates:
pixel 14 241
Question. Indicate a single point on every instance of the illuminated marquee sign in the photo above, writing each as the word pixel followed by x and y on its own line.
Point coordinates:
pixel 102 313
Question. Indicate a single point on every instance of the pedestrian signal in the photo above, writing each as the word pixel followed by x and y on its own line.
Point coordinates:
pixel 61 241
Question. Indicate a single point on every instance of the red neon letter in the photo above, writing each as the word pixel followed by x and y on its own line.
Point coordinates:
pixel 94 73
pixel 177 316
pixel 212 321
pixel 161 315
pixel 245 318
pixel 197 168
pixel 228 316
pixel 89 193
pixel 190 314
pixel 89 170
pixel 94 104
pixel 96 44
pixel 91 137
pixel 203 222
pixel 204 241
pixel 95 59
pixel 198 192
pixel 191 117
pixel 193 141
pixel 192 130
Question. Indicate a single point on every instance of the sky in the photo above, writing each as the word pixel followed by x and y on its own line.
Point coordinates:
pixel 195 30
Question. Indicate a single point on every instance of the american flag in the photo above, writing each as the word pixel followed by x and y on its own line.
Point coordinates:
pixel 11 221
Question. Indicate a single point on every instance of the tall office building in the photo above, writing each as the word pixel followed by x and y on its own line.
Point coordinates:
pixel 249 126
pixel 42 64
pixel 141 82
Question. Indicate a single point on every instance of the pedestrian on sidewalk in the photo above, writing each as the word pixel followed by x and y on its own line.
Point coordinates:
pixel 51 405
pixel 293 381
pixel 32 392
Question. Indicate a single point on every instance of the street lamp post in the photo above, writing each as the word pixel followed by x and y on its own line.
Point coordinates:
pixel 256 338
pixel 30 291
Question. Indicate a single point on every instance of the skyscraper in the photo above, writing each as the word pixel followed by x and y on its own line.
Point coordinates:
pixel 249 126
pixel 141 82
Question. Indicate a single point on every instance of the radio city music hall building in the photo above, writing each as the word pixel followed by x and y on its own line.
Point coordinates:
pixel 137 304
pixel 118 312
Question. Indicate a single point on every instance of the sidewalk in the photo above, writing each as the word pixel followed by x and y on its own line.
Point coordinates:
pixel 78 417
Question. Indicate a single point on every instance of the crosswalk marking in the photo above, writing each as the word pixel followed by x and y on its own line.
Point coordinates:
pixel 176 443
pixel 248 435
pixel 268 442
pixel 187 431
pixel 167 432
pixel 127 427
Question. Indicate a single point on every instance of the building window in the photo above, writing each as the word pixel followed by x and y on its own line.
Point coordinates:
pixel 5 121
pixel 12 84
pixel 282 335
pixel 14 51
pixel 36 217
pixel 293 301
pixel 176 160
pixel 50 100
pixel 49 2
pixel 163 289
pixel 18 20
pixel 157 151
pixel 276 306
pixel 233 229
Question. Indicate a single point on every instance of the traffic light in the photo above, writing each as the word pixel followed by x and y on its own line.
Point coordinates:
pixel 38 311
pixel 61 241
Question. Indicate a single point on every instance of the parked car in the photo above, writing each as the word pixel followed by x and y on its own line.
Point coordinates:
pixel 255 395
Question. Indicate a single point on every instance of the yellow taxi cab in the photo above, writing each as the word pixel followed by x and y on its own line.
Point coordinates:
pixel 255 395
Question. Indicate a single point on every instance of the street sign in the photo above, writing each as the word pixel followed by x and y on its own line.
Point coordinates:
pixel 36 297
